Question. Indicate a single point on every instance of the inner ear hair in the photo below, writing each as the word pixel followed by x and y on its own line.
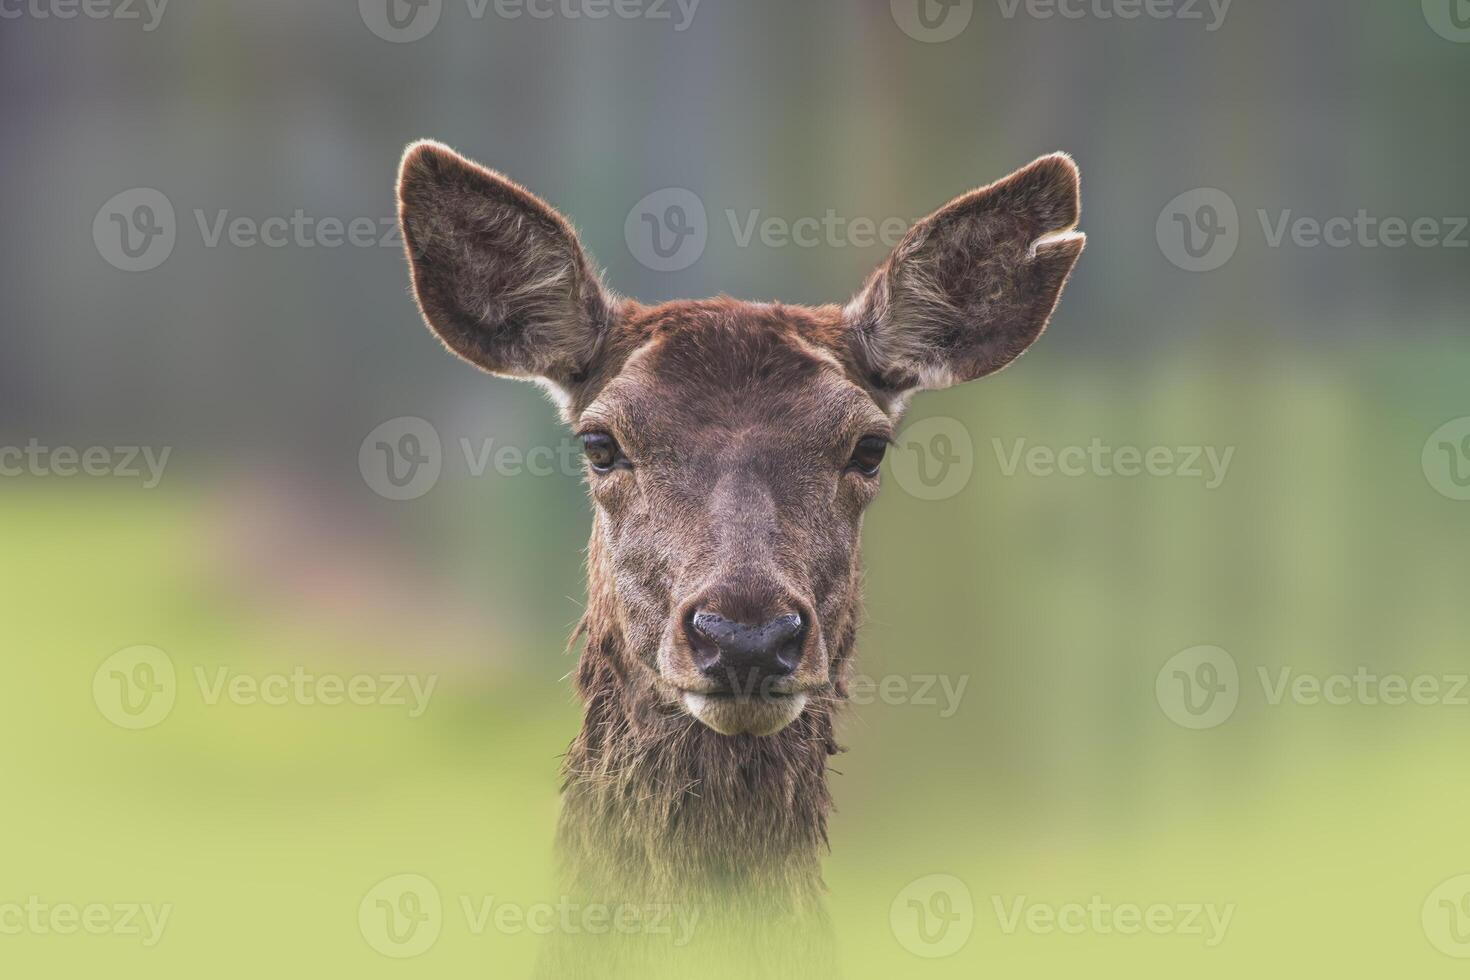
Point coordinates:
pixel 973 285
pixel 499 275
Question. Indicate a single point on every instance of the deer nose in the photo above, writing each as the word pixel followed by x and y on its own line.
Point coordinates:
pixel 745 655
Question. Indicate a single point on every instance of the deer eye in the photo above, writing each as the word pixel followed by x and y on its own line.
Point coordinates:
pixel 868 455
pixel 602 452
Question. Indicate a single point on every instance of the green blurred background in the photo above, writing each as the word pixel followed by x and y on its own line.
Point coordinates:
pixel 1337 539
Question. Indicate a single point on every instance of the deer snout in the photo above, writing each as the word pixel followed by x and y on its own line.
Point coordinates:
pixel 748 658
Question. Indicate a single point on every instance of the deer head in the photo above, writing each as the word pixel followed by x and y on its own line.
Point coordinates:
pixel 731 447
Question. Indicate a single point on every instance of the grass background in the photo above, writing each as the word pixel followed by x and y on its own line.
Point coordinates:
pixel 1058 779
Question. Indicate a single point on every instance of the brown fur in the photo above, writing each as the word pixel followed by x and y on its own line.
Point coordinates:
pixel 689 806
pixel 738 420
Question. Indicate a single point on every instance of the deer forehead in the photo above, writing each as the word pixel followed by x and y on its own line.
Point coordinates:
pixel 732 382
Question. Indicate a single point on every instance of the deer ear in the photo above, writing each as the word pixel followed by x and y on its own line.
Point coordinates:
pixel 971 286
pixel 498 274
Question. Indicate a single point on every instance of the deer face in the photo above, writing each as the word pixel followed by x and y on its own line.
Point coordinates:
pixel 730 460
pixel 733 447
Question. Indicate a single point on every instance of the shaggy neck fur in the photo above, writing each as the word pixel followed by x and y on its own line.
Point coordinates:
pixel 660 808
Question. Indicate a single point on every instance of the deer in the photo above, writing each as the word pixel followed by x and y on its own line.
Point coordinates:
pixel 731 449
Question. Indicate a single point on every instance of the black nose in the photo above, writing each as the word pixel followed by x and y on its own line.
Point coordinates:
pixel 743 655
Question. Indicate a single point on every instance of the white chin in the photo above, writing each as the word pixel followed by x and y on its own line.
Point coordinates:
pixel 744 716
